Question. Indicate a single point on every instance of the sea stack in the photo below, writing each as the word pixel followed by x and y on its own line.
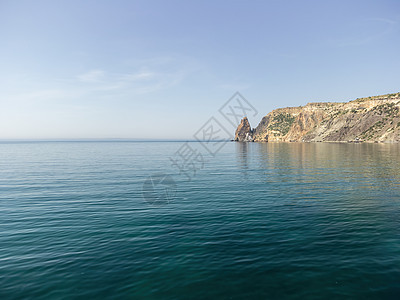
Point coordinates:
pixel 243 132
pixel 372 119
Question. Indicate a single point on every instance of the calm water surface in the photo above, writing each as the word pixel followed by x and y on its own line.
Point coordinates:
pixel 268 221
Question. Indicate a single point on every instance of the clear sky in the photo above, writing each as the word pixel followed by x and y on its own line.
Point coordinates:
pixel 160 69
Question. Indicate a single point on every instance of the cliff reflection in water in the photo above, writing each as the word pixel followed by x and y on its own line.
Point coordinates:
pixel 308 168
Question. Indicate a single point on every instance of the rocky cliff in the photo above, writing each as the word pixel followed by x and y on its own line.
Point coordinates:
pixel 244 133
pixel 372 119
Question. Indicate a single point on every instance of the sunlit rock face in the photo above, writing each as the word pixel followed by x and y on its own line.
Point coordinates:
pixel 243 132
pixel 372 119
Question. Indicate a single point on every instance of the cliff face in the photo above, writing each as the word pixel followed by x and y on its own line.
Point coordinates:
pixel 366 119
pixel 243 132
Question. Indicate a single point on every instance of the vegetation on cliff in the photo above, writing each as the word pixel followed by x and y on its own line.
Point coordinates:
pixel 282 123
pixel 371 119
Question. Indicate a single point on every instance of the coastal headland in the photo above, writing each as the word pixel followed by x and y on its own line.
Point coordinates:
pixel 371 119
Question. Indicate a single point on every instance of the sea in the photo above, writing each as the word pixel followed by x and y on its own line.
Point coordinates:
pixel 181 220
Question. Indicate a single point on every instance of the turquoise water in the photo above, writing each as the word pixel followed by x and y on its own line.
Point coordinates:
pixel 267 221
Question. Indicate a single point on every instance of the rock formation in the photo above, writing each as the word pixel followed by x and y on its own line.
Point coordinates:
pixel 372 119
pixel 244 132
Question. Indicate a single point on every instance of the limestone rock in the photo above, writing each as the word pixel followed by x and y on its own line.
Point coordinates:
pixel 244 133
pixel 372 119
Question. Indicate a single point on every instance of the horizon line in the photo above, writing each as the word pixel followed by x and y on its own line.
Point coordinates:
pixel 97 140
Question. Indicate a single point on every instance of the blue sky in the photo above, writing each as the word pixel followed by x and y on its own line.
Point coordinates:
pixel 160 69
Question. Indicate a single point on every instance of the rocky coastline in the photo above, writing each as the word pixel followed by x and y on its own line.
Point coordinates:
pixel 371 119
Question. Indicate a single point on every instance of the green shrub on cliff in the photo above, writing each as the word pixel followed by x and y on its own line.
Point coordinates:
pixel 282 123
